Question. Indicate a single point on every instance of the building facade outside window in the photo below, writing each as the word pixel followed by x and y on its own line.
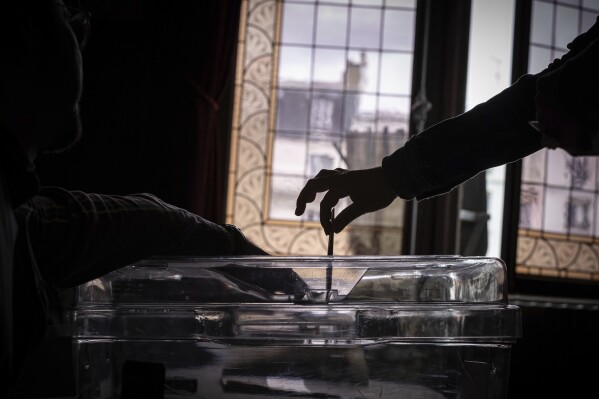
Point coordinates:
pixel 319 85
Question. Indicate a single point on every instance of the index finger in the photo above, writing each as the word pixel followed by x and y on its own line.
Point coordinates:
pixel 308 193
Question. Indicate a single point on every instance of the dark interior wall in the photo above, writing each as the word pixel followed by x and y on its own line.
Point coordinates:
pixel 155 108
pixel 556 356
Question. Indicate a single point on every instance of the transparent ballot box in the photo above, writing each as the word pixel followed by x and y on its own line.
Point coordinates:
pixel 310 327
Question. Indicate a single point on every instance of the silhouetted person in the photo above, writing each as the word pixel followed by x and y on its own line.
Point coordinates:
pixel 51 238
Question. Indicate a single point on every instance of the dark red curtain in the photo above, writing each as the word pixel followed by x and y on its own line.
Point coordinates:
pixel 213 83
pixel 194 48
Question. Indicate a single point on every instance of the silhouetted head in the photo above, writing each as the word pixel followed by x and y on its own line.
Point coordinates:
pixel 40 74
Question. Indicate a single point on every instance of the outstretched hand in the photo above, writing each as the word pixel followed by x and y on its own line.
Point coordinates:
pixel 366 188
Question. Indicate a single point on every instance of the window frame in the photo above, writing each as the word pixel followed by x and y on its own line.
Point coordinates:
pixel 520 283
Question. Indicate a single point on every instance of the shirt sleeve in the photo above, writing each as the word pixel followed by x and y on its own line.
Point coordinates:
pixel 77 237
pixel 447 154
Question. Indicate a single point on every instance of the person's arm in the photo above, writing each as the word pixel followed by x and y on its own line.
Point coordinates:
pixel 447 154
pixel 568 105
pixel 436 160
pixel 76 236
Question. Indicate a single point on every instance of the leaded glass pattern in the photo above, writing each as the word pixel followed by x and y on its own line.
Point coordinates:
pixel 559 207
pixel 319 85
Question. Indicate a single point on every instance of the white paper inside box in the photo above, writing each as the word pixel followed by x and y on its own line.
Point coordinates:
pixel 380 327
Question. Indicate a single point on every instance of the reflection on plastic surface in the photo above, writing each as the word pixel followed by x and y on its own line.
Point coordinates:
pixel 292 279
pixel 210 370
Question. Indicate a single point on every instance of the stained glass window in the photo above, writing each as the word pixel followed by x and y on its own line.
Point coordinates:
pixel 559 208
pixel 320 85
